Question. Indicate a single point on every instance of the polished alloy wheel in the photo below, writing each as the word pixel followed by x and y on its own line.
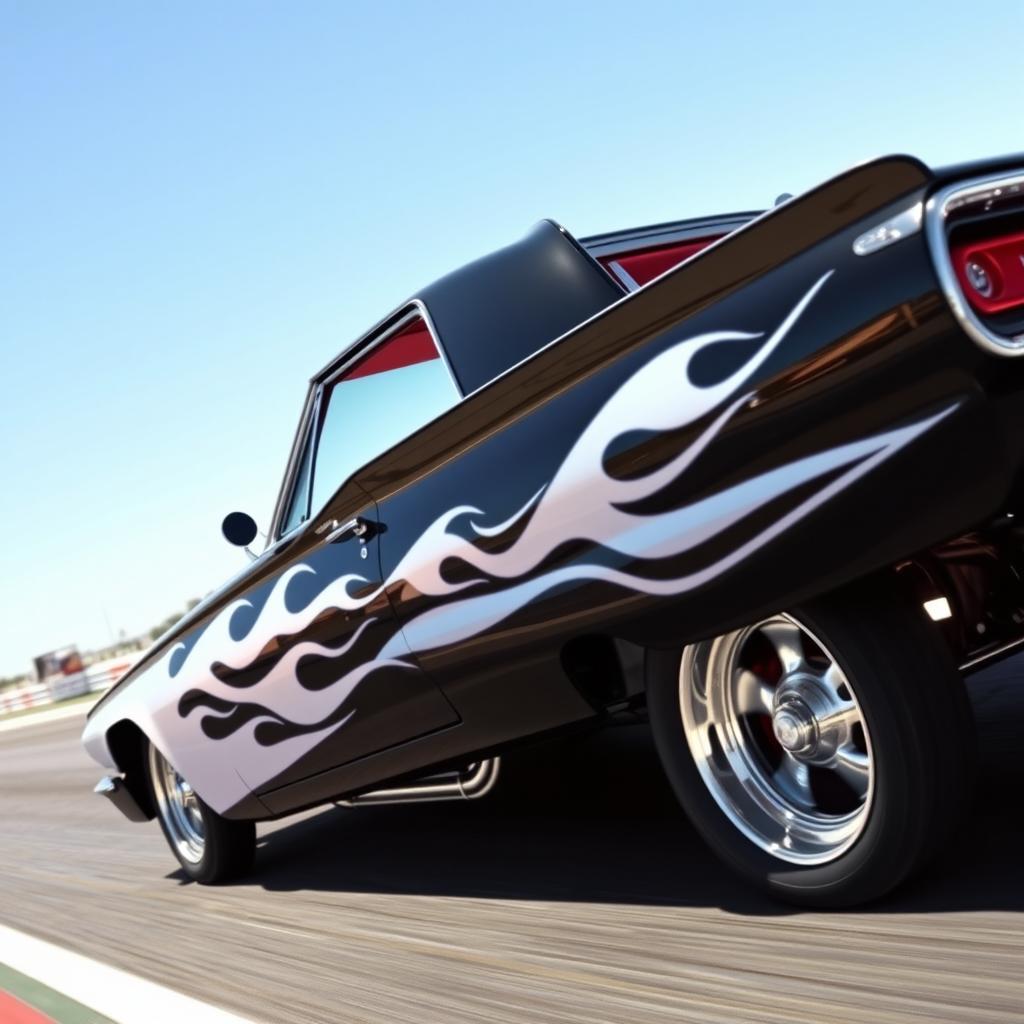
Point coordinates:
pixel 779 739
pixel 179 808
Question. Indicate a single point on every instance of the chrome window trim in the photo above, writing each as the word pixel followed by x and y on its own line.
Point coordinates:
pixel 428 320
pixel 349 358
pixel 291 466
pixel 378 333
pixel 387 328
pixel 631 283
pixel 412 310
pixel 300 457
pixel 981 194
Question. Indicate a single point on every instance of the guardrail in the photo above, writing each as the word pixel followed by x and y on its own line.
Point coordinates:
pixel 98 677
pixel 104 674
pixel 24 697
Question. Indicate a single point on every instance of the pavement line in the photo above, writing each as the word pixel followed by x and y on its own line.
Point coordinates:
pixel 122 997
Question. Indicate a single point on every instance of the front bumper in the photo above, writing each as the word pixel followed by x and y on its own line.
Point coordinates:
pixel 117 791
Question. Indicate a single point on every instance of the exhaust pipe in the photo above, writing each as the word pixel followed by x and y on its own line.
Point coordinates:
pixel 469 783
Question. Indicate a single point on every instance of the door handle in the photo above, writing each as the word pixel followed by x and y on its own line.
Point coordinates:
pixel 332 530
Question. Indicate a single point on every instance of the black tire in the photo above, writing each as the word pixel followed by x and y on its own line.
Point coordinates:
pixel 228 847
pixel 914 705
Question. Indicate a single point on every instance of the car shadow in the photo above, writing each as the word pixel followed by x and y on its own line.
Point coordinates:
pixel 592 819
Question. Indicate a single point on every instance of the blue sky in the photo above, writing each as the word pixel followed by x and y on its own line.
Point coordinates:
pixel 201 203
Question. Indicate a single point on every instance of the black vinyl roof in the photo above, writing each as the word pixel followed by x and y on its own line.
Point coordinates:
pixel 497 310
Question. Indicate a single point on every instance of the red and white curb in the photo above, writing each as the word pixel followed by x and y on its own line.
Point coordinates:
pixel 113 993
pixel 14 1011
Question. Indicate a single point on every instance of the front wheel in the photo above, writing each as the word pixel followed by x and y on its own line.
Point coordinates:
pixel 823 753
pixel 209 847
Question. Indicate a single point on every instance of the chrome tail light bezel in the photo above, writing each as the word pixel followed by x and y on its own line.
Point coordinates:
pixel 980 195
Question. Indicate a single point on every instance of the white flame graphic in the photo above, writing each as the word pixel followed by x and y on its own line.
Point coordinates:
pixel 580 502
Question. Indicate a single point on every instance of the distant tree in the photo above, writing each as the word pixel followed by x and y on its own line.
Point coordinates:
pixel 158 631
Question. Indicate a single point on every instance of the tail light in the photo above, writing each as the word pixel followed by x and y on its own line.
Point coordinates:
pixel 991 272
pixel 975 231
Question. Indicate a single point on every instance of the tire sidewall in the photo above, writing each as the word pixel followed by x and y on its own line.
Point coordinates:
pixel 887 847
pixel 205 869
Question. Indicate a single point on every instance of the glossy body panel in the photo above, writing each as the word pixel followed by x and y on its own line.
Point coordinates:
pixel 256 684
pixel 774 417
pixel 530 419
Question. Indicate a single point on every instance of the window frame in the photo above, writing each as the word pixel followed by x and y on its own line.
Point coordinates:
pixel 311 419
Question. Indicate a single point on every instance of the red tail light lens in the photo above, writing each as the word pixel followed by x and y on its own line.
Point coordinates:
pixel 991 272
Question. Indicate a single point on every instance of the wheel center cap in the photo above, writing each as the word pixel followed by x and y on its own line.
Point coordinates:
pixel 794 727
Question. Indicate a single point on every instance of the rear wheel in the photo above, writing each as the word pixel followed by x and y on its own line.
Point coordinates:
pixel 209 847
pixel 823 753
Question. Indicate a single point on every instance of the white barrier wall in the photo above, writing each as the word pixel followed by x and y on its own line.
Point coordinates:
pixel 100 676
pixel 24 697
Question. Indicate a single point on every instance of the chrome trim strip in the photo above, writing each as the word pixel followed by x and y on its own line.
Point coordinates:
pixel 291 466
pixel 614 243
pixel 624 275
pixel 895 229
pixel 362 348
pixel 428 320
pixel 336 531
pixel 983 194
pixel 379 332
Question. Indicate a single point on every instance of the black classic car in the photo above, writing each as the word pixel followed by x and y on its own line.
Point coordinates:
pixel 755 474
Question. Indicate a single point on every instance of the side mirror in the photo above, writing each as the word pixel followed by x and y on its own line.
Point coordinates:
pixel 239 529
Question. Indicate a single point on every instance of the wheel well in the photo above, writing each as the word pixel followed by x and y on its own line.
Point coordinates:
pixel 127 745
pixel 605 670
pixel 980 576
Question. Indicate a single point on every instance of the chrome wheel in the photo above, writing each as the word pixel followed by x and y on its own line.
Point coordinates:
pixel 779 739
pixel 178 807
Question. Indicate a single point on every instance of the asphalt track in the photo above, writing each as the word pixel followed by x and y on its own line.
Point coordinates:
pixel 575 893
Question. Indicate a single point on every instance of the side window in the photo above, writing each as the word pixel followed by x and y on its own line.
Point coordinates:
pixel 396 388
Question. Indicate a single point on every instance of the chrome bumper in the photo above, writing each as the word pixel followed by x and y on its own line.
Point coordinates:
pixel 116 790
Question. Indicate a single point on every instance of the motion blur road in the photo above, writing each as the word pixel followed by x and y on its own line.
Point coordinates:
pixel 577 892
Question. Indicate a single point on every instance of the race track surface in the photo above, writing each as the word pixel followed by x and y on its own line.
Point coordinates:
pixel 576 893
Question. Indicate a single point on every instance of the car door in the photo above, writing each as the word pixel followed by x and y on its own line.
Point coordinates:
pixel 354 672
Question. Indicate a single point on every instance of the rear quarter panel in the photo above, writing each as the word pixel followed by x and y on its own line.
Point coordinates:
pixel 763 423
